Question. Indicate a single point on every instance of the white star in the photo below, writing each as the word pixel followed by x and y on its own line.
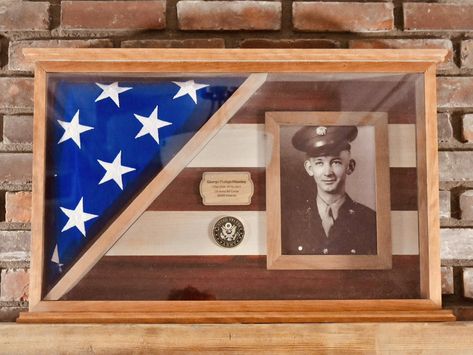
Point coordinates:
pixel 55 258
pixel 77 217
pixel 188 88
pixel 115 170
pixel 151 125
pixel 112 91
pixel 73 129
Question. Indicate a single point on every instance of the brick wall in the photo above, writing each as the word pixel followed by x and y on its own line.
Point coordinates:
pixel 249 24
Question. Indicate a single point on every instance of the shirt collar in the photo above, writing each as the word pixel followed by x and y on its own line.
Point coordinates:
pixel 323 206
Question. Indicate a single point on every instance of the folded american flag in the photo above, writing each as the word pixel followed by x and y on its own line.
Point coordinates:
pixel 107 138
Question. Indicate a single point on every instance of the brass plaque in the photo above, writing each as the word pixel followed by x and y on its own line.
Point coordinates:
pixel 226 188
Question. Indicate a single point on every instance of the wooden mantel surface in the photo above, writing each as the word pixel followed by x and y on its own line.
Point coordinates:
pixel 441 338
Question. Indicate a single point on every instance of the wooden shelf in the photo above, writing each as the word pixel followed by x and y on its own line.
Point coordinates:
pixel 125 338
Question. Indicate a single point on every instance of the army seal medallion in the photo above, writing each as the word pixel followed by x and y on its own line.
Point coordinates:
pixel 228 232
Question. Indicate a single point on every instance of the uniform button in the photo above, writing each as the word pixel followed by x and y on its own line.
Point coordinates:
pixel 325 251
pixel 299 248
pixel 353 251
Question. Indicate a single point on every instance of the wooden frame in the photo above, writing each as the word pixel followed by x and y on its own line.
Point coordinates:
pixel 47 308
pixel 276 259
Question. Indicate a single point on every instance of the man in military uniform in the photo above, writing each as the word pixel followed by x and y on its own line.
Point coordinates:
pixel 328 221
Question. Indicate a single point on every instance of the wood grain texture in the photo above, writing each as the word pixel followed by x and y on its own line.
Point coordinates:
pixel 239 278
pixel 403 189
pixel 155 187
pixel 359 338
pixel 182 194
pixel 38 203
pixel 238 317
pixel 244 306
pixel 240 145
pixel 429 220
pixel 236 55
pixel 188 233
pixel 393 94
pixel 209 66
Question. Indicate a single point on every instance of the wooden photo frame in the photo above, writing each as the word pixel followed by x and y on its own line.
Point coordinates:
pixel 367 229
pixel 109 281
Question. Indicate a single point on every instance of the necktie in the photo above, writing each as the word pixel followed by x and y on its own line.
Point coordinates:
pixel 328 221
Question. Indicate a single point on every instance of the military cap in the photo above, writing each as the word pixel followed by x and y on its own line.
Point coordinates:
pixel 324 140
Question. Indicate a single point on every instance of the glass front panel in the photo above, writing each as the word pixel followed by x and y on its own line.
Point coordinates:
pixel 108 136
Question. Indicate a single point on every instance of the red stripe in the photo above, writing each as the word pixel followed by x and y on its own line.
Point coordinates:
pixel 183 193
pixel 239 278
pixel 396 98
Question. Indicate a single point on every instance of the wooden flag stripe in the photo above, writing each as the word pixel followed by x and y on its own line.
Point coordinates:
pixel 183 193
pixel 238 145
pixel 396 97
pixel 189 233
pixel 239 278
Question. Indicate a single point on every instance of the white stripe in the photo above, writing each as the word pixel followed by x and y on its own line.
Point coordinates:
pixel 402 145
pixel 244 145
pixel 189 233
pixel 405 232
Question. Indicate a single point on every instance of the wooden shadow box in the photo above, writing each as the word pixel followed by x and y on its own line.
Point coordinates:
pixel 233 185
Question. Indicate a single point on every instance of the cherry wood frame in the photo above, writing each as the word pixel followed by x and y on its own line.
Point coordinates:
pixel 275 258
pixel 258 62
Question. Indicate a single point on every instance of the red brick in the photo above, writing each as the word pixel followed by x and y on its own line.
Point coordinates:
pixel 17 60
pixel 229 15
pixel 438 17
pixel 467 127
pixel 468 282
pixel 447 280
pixel 456 245
pixel 14 286
pixel 18 207
pixel 18 15
pixel 466 205
pixel 17 129
pixel 444 127
pixel 445 204
pixel 463 313
pixel 455 92
pixel 456 166
pixel 288 43
pixel 342 16
pixel 16 93
pixel 15 167
pixel 10 314
pixel 409 43
pixel 15 245
pixel 175 43
pixel 113 15
pixel 467 54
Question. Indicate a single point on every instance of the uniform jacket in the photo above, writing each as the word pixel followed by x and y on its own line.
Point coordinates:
pixel 353 232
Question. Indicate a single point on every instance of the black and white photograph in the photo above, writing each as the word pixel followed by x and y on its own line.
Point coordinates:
pixel 328 190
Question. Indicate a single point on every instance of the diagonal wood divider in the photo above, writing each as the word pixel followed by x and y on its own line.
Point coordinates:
pixel 114 232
